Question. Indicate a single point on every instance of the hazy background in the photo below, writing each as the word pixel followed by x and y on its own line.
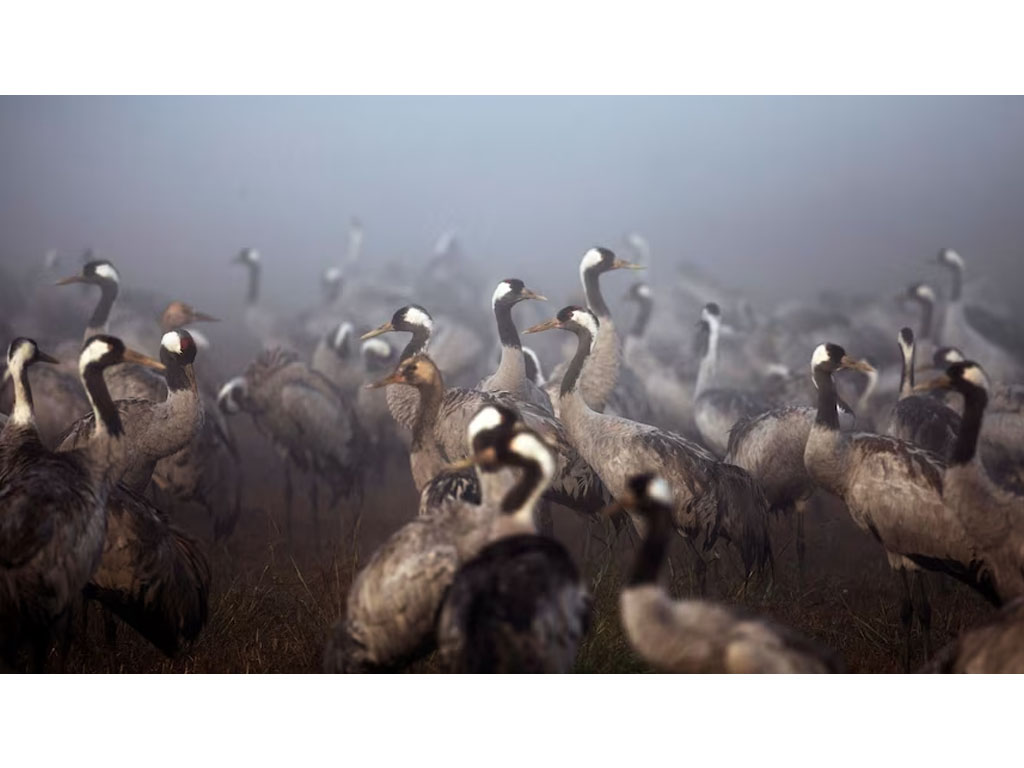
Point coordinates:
pixel 782 196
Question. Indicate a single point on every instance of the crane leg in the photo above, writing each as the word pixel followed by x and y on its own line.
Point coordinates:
pixel 110 629
pixel 700 567
pixel 906 617
pixel 801 543
pixel 923 608
pixel 587 537
pixel 314 509
pixel 288 500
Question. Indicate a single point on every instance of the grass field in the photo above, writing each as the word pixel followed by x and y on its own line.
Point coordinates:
pixel 271 604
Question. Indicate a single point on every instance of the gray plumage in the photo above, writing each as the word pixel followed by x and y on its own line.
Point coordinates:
pixel 713 500
pixel 992 516
pixel 771 448
pixel 668 398
pixel 575 484
pixel 695 636
pixel 916 418
pixel 511 374
pixel 58 394
pixel 151 575
pixel 520 604
pixel 394 600
pixel 717 409
pixel 53 505
pixel 998 347
pixel 994 647
pixel 603 373
pixel 155 429
pixel 306 418
pixel 337 359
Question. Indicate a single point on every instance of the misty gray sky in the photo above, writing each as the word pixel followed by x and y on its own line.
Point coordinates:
pixel 782 195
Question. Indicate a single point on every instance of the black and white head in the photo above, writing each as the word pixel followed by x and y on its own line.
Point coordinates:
pixel 579 320
pixel 921 292
pixel 905 338
pixel 966 377
pixel 490 424
pixel 598 260
pixel 648 493
pixel 248 256
pixel 527 448
pixel 829 358
pixel 102 351
pixel 232 396
pixel 340 339
pixel 512 291
pixel 951 259
pixel 945 356
pixel 177 347
pixel 378 355
pixel 410 319
pixel 95 272
pixel 708 329
pixel 711 314
pixel 23 353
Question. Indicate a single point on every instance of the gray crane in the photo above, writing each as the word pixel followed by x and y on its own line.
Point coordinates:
pixel 696 636
pixel 151 575
pixel 393 603
pixel 917 418
pixel 669 398
pixel 894 491
pixel 155 429
pixel 307 420
pixel 991 515
pixel 714 500
pixel 603 374
pixel 511 374
pixel 980 333
pixel 53 505
pixel 520 604
pixel 575 485
pixel 717 409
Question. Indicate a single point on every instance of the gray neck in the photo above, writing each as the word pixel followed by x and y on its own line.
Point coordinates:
pixel 708 363
pixel 907 374
pixel 100 320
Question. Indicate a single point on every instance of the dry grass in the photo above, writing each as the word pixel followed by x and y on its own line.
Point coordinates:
pixel 272 604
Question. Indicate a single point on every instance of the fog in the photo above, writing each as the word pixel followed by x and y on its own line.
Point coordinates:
pixel 777 196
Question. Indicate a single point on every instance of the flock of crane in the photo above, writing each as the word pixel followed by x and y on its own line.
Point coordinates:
pixel 667 433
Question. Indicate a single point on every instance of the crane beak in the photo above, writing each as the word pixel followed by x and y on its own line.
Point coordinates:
pixel 941 382
pixel 487 457
pixel 131 356
pixel 70 280
pixel 623 264
pixel 856 365
pixel 545 326
pixel 202 317
pixel 528 294
pixel 386 328
pixel 42 357
pixel 394 378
